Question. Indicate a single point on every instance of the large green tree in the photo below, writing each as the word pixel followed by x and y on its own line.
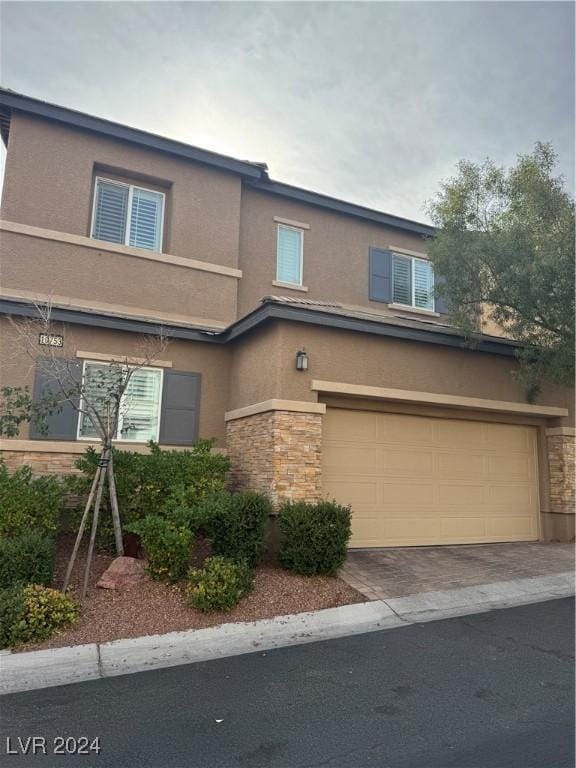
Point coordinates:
pixel 505 248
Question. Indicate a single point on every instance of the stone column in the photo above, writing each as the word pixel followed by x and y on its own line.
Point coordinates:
pixel 277 452
pixel 560 443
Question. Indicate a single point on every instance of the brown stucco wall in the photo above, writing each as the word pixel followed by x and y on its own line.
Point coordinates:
pixel 49 268
pixel 335 261
pixel 356 358
pixel 49 184
pixel 210 360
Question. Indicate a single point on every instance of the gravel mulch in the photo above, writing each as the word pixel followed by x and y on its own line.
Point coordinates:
pixel 152 607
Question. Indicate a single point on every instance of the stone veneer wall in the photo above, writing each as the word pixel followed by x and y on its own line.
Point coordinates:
pixel 278 453
pixel 42 462
pixel 562 472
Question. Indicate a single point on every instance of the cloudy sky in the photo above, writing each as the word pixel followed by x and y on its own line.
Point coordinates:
pixel 371 102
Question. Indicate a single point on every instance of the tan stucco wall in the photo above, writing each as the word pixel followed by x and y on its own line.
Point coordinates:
pixel 336 247
pixel 210 360
pixel 49 183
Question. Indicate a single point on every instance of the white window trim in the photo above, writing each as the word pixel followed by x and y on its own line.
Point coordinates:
pixel 301 231
pixel 131 188
pixel 119 439
pixel 413 306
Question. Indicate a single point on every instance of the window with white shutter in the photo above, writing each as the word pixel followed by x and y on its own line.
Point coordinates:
pixel 412 282
pixel 139 413
pixel 289 255
pixel 127 214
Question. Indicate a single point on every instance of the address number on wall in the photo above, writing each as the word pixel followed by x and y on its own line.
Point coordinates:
pixel 50 340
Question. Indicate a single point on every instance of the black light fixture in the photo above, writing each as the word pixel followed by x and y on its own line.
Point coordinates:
pixel 301 360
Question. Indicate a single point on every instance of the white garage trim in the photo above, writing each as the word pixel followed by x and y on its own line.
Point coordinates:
pixel 431 398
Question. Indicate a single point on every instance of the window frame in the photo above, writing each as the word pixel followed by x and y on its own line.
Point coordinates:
pixel 117 439
pixel 280 226
pixel 131 188
pixel 412 260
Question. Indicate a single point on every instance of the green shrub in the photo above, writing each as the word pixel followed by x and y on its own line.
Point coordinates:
pixel 33 613
pixel 28 503
pixel 314 537
pixel 219 585
pixel 11 612
pixel 236 523
pixel 167 544
pixel 27 559
pixel 146 482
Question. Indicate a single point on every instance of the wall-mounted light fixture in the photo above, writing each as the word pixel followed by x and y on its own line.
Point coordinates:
pixel 301 360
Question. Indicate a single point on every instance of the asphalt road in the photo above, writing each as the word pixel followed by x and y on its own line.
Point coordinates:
pixel 493 690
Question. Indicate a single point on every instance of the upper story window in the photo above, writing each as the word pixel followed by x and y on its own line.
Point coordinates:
pixel 289 255
pixel 127 214
pixel 412 282
pixel 139 414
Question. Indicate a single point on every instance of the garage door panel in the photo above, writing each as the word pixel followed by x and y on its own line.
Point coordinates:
pixel 351 457
pixel 463 528
pixel 460 434
pixel 410 531
pixel 511 467
pixel 355 426
pixel 401 430
pixel 412 495
pixel 416 480
pixel 462 465
pixel 462 495
pixel 406 462
pixel 508 437
pixel 360 493
pixel 513 528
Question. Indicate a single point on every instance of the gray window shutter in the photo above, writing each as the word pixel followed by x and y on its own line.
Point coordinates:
pixel 180 413
pixel 440 306
pixel 61 425
pixel 380 286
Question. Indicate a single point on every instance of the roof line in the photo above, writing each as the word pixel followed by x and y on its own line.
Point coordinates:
pixel 341 206
pixel 261 314
pixel 253 172
pixel 18 101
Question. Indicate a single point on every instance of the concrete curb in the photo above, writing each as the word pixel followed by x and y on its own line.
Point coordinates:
pixel 61 666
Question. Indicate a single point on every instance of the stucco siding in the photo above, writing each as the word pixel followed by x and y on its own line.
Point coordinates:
pixel 49 183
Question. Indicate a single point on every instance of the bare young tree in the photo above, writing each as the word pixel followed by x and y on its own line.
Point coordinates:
pixel 101 397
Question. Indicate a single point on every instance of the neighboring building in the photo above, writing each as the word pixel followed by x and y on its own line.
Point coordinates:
pixel 127 232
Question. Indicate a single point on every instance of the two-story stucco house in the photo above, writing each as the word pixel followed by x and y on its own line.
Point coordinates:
pixel 306 336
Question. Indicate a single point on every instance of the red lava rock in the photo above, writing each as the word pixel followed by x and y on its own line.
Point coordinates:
pixel 122 572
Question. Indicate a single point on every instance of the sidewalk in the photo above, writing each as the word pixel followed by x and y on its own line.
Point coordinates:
pixel 61 666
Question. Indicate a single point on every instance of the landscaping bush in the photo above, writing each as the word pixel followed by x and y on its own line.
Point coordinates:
pixel 145 482
pixel 167 544
pixel 314 537
pixel 219 585
pixel 28 559
pixel 28 503
pixel 236 524
pixel 33 613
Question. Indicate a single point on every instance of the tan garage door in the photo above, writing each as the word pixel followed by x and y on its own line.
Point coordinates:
pixel 414 480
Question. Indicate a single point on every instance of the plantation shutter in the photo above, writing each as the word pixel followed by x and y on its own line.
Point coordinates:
pixel 146 219
pixel 180 408
pixel 401 280
pixel 380 281
pixel 289 269
pixel 62 424
pixel 110 212
pixel 141 406
pixel 423 284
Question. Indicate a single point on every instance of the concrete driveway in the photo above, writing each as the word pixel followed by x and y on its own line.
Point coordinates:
pixel 382 573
